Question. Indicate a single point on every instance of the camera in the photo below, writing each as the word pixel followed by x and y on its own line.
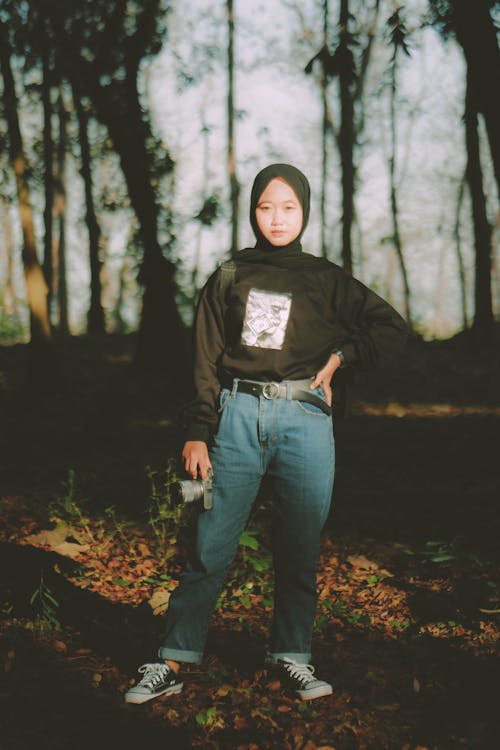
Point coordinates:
pixel 193 490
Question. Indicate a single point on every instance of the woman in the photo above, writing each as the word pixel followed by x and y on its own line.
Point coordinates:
pixel 266 350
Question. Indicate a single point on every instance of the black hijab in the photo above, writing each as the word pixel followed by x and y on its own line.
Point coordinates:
pixel 291 255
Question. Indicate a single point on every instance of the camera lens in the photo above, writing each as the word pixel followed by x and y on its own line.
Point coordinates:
pixel 188 491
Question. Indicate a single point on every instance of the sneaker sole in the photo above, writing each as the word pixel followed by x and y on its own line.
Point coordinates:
pixel 138 698
pixel 319 692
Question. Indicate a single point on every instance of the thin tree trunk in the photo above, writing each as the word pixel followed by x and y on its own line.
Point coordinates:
pixel 324 132
pixel 48 177
pixel 205 131
pixel 440 292
pixel 346 135
pixel 482 326
pixel 9 295
pixel 393 195
pixel 460 258
pixel 391 267
pixel 95 317
pixel 495 269
pixel 62 289
pixel 231 155
pixel 42 359
pixel 119 320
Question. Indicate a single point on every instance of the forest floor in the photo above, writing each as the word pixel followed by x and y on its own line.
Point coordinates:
pixel 409 588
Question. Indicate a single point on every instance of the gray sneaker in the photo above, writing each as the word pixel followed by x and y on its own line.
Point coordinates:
pixel 158 679
pixel 300 678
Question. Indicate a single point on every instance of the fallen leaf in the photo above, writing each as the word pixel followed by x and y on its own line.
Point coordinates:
pixel 159 601
pixel 59 646
pixel 240 722
pixel 9 662
pixel 360 561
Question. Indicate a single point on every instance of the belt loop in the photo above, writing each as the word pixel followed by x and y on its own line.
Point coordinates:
pixel 288 390
pixel 235 387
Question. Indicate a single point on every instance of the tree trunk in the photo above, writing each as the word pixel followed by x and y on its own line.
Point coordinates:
pixel 205 132
pixel 42 363
pixel 476 33
pixel 391 267
pixel 324 132
pixel 440 292
pixel 95 317
pixel 62 288
pixel 48 177
pixel 118 318
pixel 482 326
pixel 460 258
pixel 393 195
pixel 346 135
pixel 9 295
pixel 231 156
pixel 161 342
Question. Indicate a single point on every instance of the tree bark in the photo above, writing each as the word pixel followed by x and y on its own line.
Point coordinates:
pixel 396 234
pixel 231 155
pixel 482 326
pixel 95 317
pixel 460 258
pixel 326 124
pixel 48 177
pixel 346 135
pixel 42 362
pixel 476 34
pixel 9 295
pixel 60 275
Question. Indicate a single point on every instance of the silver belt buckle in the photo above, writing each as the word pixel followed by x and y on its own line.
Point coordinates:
pixel 270 390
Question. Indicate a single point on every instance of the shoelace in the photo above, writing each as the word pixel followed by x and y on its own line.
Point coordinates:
pixel 153 674
pixel 302 672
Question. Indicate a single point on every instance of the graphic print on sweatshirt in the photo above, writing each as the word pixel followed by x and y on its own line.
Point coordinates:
pixel 266 318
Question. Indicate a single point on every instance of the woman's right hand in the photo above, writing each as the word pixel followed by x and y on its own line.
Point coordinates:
pixel 195 455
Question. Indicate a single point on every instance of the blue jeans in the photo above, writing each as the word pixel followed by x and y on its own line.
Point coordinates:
pixel 292 443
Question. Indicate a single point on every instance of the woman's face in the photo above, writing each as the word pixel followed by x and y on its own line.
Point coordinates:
pixel 279 213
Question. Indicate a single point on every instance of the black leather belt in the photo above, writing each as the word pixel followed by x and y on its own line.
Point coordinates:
pixel 297 390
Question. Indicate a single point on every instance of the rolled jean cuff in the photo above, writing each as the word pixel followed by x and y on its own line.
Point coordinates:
pixel 174 654
pixel 299 658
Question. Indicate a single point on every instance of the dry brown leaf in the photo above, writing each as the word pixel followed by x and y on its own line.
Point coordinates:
pixel 59 646
pixel 360 561
pixel 275 685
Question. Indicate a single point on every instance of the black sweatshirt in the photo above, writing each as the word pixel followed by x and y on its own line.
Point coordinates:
pixel 281 323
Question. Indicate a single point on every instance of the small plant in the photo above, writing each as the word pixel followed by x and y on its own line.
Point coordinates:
pixel 45 607
pixel 208 720
pixel 67 508
pixel 118 525
pixel 165 517
pixel 251 572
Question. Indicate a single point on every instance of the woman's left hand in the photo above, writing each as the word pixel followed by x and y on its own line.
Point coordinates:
pixel 324 376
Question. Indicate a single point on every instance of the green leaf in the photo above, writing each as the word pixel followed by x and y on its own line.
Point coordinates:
pixel 248 540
